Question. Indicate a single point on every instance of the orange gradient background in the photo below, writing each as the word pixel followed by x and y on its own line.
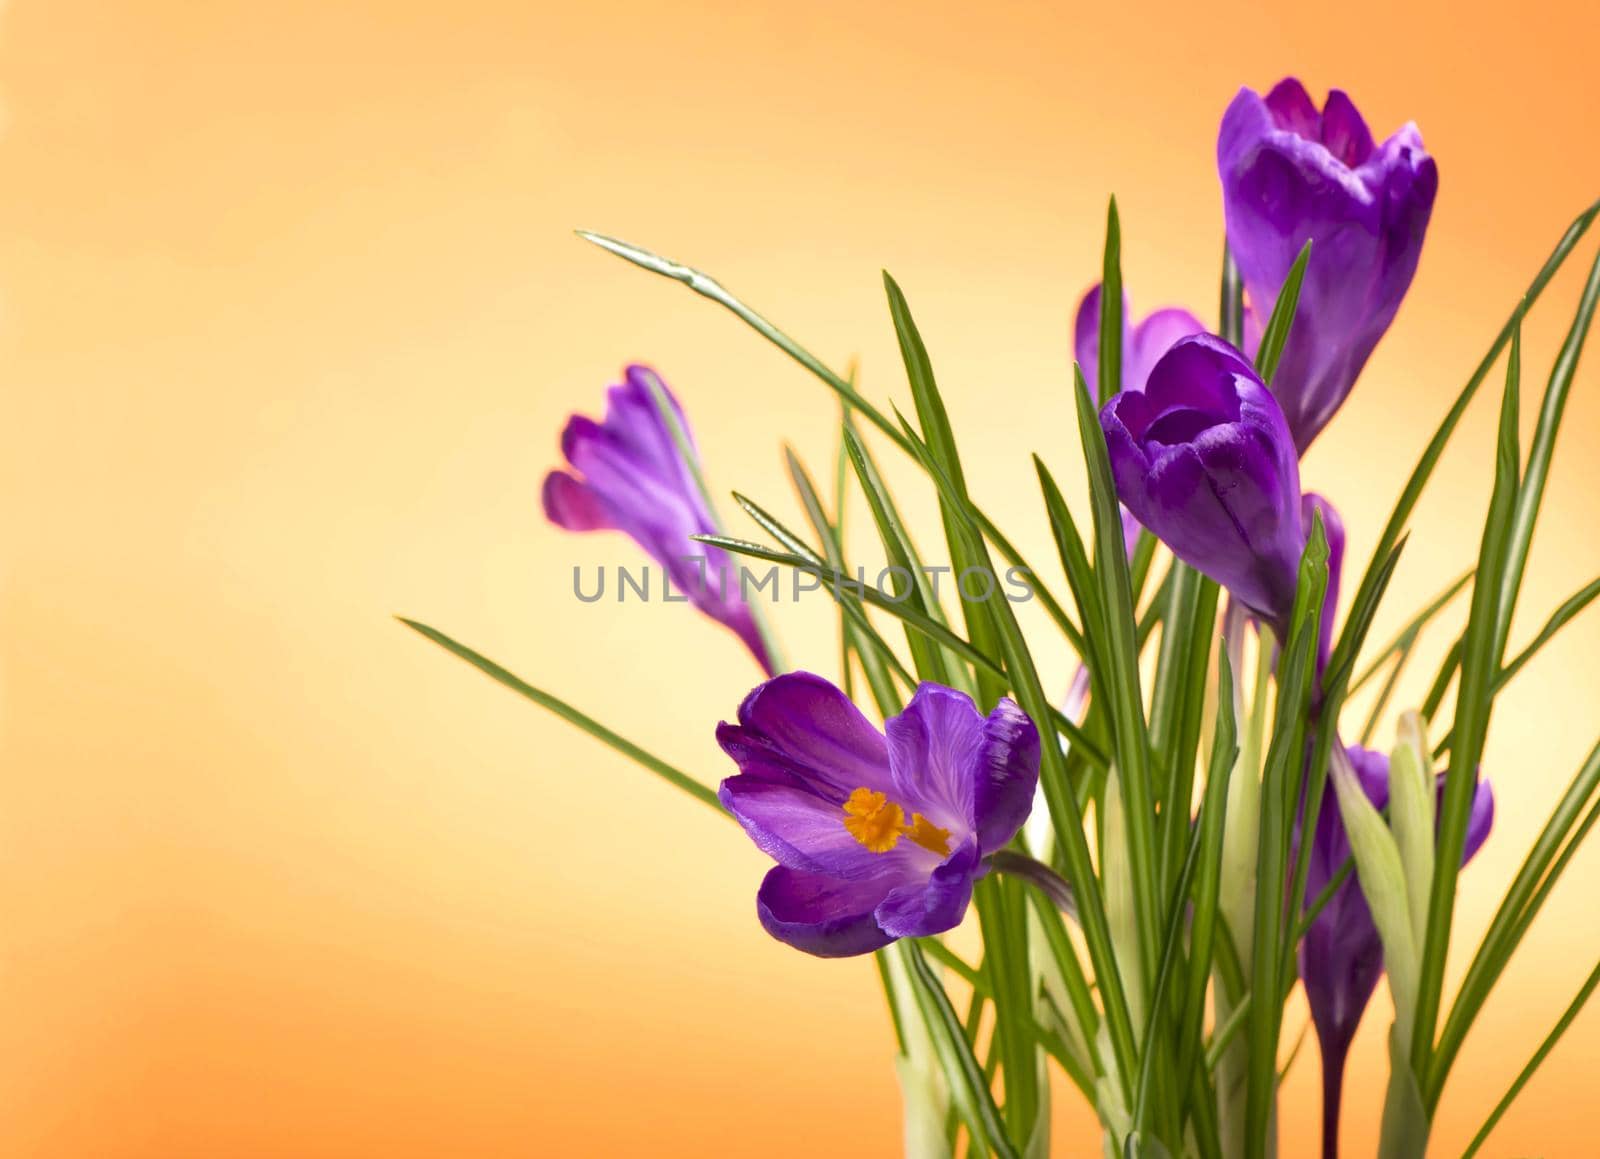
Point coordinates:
pixel 290 316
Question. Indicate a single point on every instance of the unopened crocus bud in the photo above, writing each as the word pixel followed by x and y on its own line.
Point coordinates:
pixel 1203 458
pixel 629 474
pixel 1291 174
pixel 1341 956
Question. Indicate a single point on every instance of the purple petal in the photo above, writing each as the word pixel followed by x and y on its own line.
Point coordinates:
pixel 1344 130
pixel 570 504
pixel 1479 821
pixel 1086 340
pixel 930 907
pixel 1293 109
pixel 800 723
pixel 634 480
pixel 796 827
pixel 933 755
pixel 1290 175
pixel 1152 338
pixel 821 915
pixel 965 772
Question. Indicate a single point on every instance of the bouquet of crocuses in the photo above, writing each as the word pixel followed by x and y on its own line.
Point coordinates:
pixel 1157 853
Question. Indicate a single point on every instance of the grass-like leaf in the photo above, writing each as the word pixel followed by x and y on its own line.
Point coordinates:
pixel 1122 674
pixel 1279 795
pixel 1480 662
pixel 1276 331
pixel 1559 619
pixel 939 439
pixel 1065 814
pixel 675 777
pixel 1538 873
pixel 1208 880
pixel 969 1087
pixel 1412 492
pixel 1534 1063
pixel 1530 492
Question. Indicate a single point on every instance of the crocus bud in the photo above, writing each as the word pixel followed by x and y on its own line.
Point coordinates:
pixel 1341 956
pixel 1203 458
pixel 1291 174
pixel 630 475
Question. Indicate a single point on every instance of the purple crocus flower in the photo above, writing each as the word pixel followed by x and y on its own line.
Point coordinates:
pixel 629 477
pixel 876 836
pixel 1142 344
pixel 1341 956
pixel 1203 458
pixel 1291 174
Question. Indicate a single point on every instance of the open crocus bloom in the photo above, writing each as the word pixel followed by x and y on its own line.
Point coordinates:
pixel 1292 174
pixel 1203 458
pixel 631 477
pixel 876 836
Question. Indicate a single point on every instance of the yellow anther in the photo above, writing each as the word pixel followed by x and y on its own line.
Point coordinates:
pixel 878 823
pixel 928 835
pixel 874 820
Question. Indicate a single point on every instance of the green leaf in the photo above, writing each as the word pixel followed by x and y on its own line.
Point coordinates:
pixel 902 554
pixel 1276 332
pixel 1208 880
pixel 1530 493
pixel 1480 662
pixel 1540 870
pixel 845 587
pixel 1403 1133
pixel 1065 814
pixel 940 442
pixel 1412 630
pixel 1534 1063
pixel 1430 456
pixel 571 715
pixel 1112 323
pixel 1122 674
pixel 968 1085
pixel 1559 619
pixel 1278 797
pixel 1230 317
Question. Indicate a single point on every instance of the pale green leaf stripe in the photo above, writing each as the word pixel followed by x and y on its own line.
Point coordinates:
pixel 571 715
pixel 1534 1063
